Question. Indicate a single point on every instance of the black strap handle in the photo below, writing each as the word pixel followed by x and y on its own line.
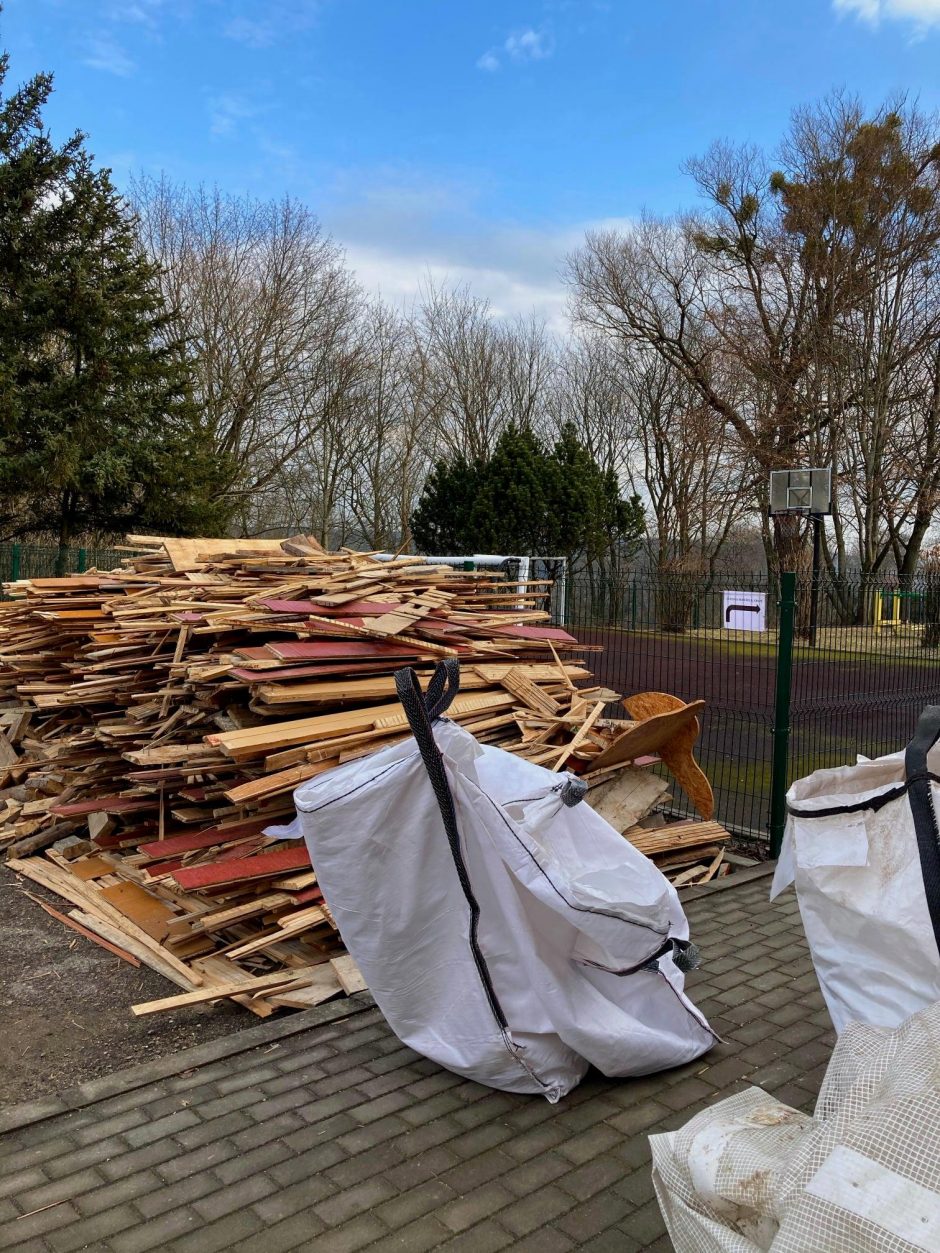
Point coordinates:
pixel 920 797
pixel 421 710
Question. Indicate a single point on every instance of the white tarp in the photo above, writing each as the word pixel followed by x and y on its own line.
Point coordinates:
pixel 750 1175
pixel 515 942
pixel 862 845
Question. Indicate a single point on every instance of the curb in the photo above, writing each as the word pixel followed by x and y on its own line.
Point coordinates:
pixel 26 1113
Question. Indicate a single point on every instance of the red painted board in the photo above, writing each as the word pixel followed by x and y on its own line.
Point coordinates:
pixel 105 805
pixel 189 615
pixel 163 867
pixel 307 896
pixel 350 609
pixel 555 634
pixel 303 650
pixel 260 866
pixel 191 840
pixel 353 669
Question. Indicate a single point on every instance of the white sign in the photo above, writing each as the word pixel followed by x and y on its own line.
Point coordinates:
pixel 744 611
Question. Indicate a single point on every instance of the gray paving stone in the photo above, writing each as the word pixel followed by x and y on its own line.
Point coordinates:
pixel 157 1233
pixel 339 1138
pixel 89 1233
pixel 14 1234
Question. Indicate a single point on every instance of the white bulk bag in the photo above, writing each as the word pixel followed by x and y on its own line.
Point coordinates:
pixel 505 931
pixel 750 1175
pixel 863 847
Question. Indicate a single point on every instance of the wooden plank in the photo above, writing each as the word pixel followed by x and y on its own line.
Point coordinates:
pixel 262 865
pixel 217 992
pixel 349 974
pixel 629 796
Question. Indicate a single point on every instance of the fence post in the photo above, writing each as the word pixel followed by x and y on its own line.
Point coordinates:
pixel 82 561
pixel 15 564
pixel 781 753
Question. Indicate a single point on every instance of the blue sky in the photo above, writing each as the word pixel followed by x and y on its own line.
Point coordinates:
pixel 469 141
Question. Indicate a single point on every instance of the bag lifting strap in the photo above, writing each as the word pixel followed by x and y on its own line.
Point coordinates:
pixel 920 797
pixel 421 710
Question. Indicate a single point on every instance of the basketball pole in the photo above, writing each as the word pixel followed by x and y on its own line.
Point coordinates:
pixel 814 590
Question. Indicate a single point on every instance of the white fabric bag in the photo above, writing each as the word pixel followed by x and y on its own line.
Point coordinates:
pixel 505 931
pixel 862 845
pixel 750 1175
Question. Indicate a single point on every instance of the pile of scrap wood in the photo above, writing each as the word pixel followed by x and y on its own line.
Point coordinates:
pixel 155 719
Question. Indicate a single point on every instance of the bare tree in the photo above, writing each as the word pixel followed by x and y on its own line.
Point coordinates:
pixel 483 373
pixel 269 311
pixel 798 277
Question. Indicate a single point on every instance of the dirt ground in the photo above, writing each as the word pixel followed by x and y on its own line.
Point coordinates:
pixel 65 1003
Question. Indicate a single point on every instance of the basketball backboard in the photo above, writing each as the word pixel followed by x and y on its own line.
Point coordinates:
pixel 801 491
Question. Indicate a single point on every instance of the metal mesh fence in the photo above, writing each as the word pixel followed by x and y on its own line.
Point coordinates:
pixel 40 561
pixel 858 689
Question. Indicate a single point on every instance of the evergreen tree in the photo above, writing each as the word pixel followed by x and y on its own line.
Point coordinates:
pixel 527 499
pixel 98 432
pixel 442 522
pixel 513 501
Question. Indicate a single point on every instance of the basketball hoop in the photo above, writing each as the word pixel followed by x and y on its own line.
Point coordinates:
pixel 806 493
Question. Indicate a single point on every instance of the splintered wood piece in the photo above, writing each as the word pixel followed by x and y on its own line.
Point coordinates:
pixel 677 751
pixel 714 866
pixel 8 756
pixel 522 687
pixel 349 974
pixel 318 985
pixel 626 798
pixel 647 736
pixel 688 877
pixel 581 735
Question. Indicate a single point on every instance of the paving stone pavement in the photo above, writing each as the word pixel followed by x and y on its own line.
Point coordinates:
pixel 338 1138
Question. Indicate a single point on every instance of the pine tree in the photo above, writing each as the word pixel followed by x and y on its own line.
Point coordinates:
pixel 527 499
pixel 98 432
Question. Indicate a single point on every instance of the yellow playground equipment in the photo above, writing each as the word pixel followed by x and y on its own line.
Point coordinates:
pixel 897 610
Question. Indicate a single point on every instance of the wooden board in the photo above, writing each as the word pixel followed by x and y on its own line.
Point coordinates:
pixel 150 914
pixel 646 737
pixel 677 751
pixel 264 865
pixel 627 797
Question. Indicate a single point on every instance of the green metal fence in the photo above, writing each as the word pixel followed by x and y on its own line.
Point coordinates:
pixel 39 561
pixel 778 707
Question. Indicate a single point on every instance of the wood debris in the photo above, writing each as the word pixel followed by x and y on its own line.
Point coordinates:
pixel 155 720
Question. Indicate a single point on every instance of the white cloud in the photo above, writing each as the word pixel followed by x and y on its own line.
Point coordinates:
pixel 918 13
pixel 104 53
pixel 277 19
pixel 520 46
pixel 529 45
pixel 227 110
pixel 489 61
pixel 402 230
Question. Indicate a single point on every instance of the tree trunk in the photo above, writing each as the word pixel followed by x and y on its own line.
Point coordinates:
pixel 66 532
